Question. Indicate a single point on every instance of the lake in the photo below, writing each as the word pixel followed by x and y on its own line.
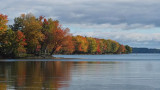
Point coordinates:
pixel 87 72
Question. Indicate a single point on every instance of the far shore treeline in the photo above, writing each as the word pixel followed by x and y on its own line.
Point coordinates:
pixel 32 36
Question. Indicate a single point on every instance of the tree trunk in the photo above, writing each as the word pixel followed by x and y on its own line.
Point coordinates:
pixel 53 50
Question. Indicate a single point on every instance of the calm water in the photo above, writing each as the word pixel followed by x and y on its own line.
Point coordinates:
pixel 91 72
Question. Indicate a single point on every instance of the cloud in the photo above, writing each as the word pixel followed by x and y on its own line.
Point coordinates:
pixel 124 36
pixel 88 11
pixel 122 26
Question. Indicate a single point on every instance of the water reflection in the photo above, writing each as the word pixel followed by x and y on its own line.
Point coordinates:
pixel 34 75
pixel 39 75
pixel 80 75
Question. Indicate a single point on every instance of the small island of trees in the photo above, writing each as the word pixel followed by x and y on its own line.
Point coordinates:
pixel 32 36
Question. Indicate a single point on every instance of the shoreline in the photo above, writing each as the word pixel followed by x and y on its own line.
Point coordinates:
pixel 52 57
pixel 40 58
pixel 49 57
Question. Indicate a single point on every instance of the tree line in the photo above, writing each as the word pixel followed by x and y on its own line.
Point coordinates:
pixel 145 50
pixel 30 35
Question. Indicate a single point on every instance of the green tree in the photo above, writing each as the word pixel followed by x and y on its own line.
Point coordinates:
pixel 92 47
pixel 13 45
pixel 112 46
pixel 128 49
pixel 8 46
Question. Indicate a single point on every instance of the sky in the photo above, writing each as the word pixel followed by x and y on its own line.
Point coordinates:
pixel 130 22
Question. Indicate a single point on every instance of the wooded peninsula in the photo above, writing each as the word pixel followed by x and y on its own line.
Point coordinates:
pixel 40 36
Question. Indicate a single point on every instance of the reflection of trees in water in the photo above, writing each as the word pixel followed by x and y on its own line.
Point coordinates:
pixel 3 85
pixel 44 75
pixel 34 75
pixel 94 67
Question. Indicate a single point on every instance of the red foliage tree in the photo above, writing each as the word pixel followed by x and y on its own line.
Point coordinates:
pixel 98 46
pixel 21 42
pixel 121 49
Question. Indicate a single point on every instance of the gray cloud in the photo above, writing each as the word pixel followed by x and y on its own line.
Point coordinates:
pixel 121 26
pixel 124 36
pixel 88 11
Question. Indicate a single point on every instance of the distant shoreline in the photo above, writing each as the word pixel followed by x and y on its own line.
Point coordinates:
pixel 40 57
pixel 52 57
pixel 145 50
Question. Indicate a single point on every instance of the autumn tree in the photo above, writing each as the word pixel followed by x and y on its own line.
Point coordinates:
pixel 3 28
pixel 92 47
pixel 3 23
pixel 81 44
pixel 20 44
pixel 7 38
pixel 121 49
pixel 109 46
pixel 42 34
pixel 31 28
pixel 60 35
pixel 55 36
pixel 99 51
pixel 103 46
pixel 14 44
pixel 67 46
pixel 8 44
pixel 48 29
pixel 62 41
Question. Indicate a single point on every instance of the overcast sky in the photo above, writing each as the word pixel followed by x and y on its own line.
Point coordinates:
pixel 132 22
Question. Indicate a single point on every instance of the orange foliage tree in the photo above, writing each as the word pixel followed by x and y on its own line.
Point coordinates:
pixel 57 38
pixel 81 44
pixel 67 46
pixel 121 49
pixel 3 27
pixel 3 22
